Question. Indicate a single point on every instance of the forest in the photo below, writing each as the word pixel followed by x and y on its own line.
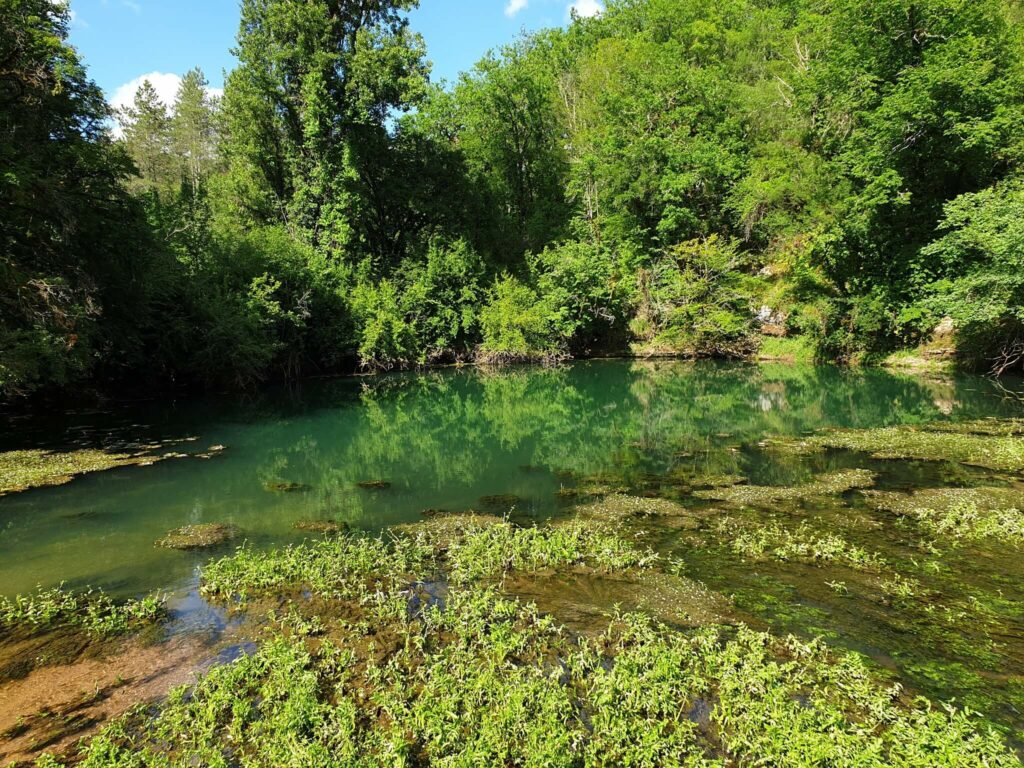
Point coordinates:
pixel 670 177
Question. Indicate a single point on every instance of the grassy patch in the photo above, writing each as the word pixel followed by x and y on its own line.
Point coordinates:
pixel 93 611
pixel 790 349
pixel 960 514
pixel 832 484
pixel 493 551
pixel 770 540
pixel 489 681
pixel 339 567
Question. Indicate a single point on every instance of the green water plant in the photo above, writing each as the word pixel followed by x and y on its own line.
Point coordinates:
pixel 939 442
pixel 21 470
pixel 338 567
pixel 92 611
pixel 492 551
pixel 958 515
pixel 486 680
pixel 771 540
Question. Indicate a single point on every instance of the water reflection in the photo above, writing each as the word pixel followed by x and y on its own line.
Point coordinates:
pixel 441 439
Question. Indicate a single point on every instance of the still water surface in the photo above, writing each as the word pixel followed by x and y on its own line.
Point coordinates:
pixel 441 439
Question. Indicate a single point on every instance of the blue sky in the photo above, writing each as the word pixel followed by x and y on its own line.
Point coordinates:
pixel 123 41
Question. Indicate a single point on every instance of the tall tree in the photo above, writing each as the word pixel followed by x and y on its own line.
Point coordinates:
pixel 62 207
pixel 193 139
pixel 307 107
pixel 146 130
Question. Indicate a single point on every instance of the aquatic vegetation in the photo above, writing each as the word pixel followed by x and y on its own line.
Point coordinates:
pixel 492 551
pixel 901 587
pixel 373 485
pixel 769 539
pixel 441 529
pixel 960 514
pixel 337 567
pixel 831 484
pixel 21 470
pixel 321 526
pixel 939 442
pixel 501 501
pixel 619 507
pixel 92 611
pixel 199 536
pixel 491 681
pixel 284 486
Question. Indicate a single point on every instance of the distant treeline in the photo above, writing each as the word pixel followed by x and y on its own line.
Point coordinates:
pixel 663 178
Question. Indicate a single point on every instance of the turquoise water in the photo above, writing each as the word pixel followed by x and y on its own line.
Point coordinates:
pixel 441 439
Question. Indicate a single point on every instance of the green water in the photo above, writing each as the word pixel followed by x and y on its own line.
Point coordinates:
pixel 445 439
pixel 442 439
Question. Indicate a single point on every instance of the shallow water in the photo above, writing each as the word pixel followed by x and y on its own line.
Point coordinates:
pixel 449 439
pixel 442 439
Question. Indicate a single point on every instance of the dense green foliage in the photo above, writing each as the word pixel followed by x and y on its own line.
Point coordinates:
pixel 661 178
pixel 371 670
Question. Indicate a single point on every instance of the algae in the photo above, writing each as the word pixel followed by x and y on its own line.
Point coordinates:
pixel 832 484
pixel 199 536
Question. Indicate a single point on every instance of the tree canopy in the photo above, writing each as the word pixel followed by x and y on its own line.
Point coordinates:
pixel 664 178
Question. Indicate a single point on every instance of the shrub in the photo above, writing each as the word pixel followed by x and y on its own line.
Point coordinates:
pixel 517 325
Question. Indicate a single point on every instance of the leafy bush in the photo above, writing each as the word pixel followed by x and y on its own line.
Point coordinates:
pixel 581 282
pixel 517 325
pixel 697 301
pixel 983 250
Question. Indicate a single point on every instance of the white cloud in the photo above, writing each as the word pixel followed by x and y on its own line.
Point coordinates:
pixel 515 6
pixel 132 5
pixel 165 83
pixel 586 8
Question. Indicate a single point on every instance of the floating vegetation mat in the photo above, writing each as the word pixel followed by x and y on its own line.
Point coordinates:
pixel 769 539
pixel 23 470
pixel 956 515
pixel 199 536
pixel 993 447
pixel 831 484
